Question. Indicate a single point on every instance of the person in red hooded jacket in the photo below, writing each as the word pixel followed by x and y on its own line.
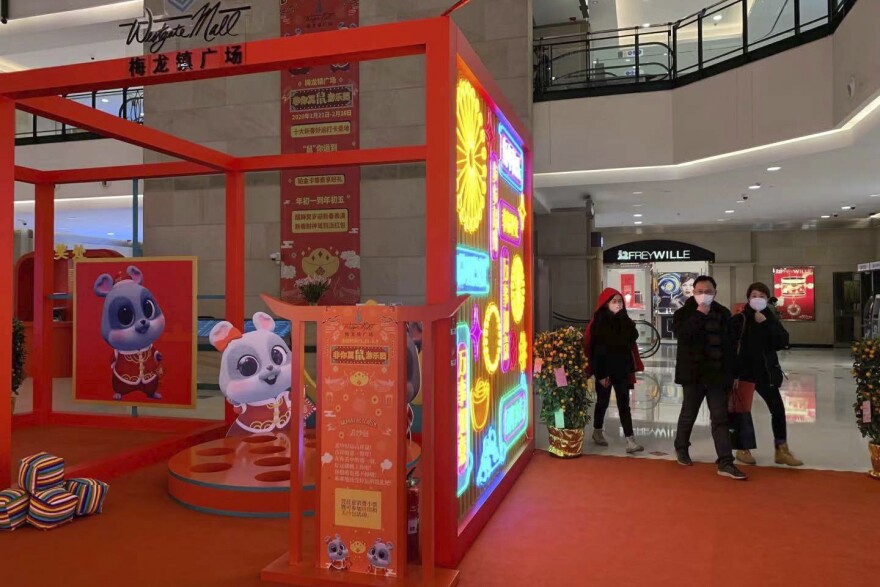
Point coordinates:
pixel 613 358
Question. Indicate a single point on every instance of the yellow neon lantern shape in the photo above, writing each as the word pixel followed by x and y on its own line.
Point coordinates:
pixel 480 404
pixel 517 289
pixel 523 351
pixel 472 157
pixel 492 330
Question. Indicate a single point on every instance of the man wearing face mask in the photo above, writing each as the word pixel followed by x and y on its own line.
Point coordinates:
pixel 704 368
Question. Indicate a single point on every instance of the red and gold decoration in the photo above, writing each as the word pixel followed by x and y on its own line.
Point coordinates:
pixel 866 372
pixel 795 289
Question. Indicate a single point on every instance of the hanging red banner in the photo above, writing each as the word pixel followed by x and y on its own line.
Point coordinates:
pixel 320 209
pixel 795 288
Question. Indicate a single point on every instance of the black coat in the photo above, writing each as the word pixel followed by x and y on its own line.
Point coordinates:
pixel 705 353
pixel 757 360
pixel 611 340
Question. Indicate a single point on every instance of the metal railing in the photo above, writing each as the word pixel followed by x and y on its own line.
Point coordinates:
pixel 725 35
pixel 126 103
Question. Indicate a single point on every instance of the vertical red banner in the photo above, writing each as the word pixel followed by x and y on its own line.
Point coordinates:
pixel 320 209
pixel 795 288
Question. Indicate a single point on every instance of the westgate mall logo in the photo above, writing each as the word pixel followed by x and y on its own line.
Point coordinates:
pixel 209 22
pixel 653 255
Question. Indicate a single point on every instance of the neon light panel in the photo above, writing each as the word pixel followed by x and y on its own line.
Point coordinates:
pixel 470 192
pixel 510 228
pixel 523 351
pixel 481 399
pixel 517 289
pixel 523 213
pixel 490 458
pixel 513 412
pixel 492 338
pixel 493 210
pixel 476 333
pixel 505 309
pixel 472 271
pixel 463 390
pixel 512 159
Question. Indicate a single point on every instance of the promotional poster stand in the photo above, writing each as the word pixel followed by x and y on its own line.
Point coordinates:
pixel 296 568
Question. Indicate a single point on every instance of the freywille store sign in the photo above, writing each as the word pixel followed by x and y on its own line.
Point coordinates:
pixel 656 251
pixel 210 22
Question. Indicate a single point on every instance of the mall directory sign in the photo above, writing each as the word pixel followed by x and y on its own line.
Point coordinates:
pixel 492 339
pixel 795 289
pixel 361 432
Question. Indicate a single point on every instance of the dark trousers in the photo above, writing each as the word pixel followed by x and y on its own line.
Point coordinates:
pixel 603 399
pixel 743 429
pixel 716 397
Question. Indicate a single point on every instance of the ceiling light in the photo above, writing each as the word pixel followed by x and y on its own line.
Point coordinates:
pixel 771 169
pixel 740 201
pixel 646 25
pixel 105 100
pixel 637 205
pixel 729 211
pixel 717 17
pixel 826 216
pixel 874 196
pixel 756 186
pixel 73 217
pixel 721 220
pixel 637 215
pixel 111 234
pixel 847 207
pixel 638 193
pixel 637 222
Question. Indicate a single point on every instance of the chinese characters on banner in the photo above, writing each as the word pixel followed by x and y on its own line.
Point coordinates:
pixel 320 208
pixel 795 288
pixel 361 436
pixel 189 60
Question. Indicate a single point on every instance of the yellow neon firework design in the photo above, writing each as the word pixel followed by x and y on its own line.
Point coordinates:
pixel 471 160
pixel 517 289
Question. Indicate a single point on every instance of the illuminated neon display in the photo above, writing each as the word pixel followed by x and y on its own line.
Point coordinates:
pixel 512 159
pixel 513 414
pixel 504 270
pixel 470 192
pixel 463 390
pixel 523 351
pixel 481 400
pixel 493 210
pixel 490 458
pixel 510 228
pixel 523 214
pixel 476 333
pixel 472 271
pixel 517 289
pixel 492 338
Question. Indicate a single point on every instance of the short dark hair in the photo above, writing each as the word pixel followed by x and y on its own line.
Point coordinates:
pixel 705 278
pixel 758 286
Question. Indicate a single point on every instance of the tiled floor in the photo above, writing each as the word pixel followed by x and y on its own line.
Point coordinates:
pixel 819 395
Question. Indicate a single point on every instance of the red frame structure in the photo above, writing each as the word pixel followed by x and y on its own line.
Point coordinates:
pixel 447 53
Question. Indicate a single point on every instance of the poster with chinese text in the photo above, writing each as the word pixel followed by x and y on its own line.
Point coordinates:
pixel 795 289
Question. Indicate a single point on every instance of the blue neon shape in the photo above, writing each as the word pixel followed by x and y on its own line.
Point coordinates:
pixel 490 459
pixel 472 272
pixel 515 182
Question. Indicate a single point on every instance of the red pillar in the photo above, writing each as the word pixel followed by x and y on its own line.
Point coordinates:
pixel 235 248
pixel 44 261
pixel 7 213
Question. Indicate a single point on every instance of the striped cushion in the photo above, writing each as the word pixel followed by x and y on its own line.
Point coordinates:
pixel 13 508
pixel 90 494
pixel 40 472
pixel 51 508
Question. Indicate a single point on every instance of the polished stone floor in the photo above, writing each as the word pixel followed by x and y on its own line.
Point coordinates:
pixel 819 395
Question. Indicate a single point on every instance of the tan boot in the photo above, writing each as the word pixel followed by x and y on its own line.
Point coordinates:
pixel 745 456
pixel 784 457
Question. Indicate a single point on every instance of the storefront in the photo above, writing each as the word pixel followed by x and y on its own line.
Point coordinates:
pixel 656 277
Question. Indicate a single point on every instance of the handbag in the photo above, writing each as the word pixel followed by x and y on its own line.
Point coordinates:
pixel 743 392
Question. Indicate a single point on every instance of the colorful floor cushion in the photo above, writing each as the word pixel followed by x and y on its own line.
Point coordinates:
pixel 90 494
pixel 51 508
pixel 13 508
pixel 40 472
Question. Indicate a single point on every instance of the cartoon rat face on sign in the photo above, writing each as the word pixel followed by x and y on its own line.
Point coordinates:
pixel 131 321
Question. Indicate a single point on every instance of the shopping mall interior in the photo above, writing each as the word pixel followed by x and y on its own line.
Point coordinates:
pixel 474 173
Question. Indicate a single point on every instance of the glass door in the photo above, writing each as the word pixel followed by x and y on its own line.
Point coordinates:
pixel 847 308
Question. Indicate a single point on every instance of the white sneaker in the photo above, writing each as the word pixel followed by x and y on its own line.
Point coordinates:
pixel 632 446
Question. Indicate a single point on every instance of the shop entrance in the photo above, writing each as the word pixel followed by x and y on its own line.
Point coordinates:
pixel 847 308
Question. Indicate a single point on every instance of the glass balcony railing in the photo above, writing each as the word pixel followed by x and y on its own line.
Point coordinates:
pixel 655 57
pixel 126 103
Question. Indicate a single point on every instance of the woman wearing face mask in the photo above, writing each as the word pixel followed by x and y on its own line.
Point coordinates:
pixel 610 347
pixel 760 335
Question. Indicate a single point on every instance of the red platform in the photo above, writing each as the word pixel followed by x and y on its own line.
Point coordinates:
pixel 246 476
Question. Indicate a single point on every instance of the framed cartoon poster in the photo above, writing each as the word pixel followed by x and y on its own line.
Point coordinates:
pixel 134 331
pixel 795 289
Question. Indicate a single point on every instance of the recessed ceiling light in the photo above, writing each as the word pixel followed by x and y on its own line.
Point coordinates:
pixel 717 17
pixel 105 100
pixel 847 207
pixel 775 168
pixel 637 205
pixel 729 211
pixel 637 215
pixel 637 222
pixel 740 201
pixel 111 234
pixel 638 193
pixel 646 25
pixel 756 186
pixel 874 196
pixel 721 220
pixel 826 216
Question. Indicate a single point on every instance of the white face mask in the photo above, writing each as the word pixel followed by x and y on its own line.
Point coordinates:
pixel 704 299
pixel 758 304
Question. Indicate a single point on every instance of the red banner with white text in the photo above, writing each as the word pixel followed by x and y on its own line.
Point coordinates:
pixel 320 208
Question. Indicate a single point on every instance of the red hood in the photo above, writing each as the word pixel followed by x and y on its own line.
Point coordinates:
pixel 605 297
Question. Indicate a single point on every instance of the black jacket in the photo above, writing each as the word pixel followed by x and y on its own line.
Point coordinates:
pixel 611 340
pixel 757 360
pixel 705 354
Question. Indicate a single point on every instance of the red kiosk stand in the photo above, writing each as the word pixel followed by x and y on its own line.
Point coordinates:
pixel 478 235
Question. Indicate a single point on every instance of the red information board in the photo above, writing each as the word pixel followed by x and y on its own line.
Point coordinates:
pixel 795 289
pixel 361 428
pixel 320 208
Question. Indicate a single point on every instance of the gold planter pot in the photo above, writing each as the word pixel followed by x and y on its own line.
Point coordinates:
pixel 566 443
pixel 875 460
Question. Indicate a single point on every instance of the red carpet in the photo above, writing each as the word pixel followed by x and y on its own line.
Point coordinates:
pixel 593 521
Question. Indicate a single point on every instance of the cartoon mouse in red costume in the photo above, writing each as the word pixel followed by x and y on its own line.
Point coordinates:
pixel 131 321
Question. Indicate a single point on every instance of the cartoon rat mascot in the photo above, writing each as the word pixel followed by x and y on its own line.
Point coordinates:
pixel 131 321
pixel 379 558
pixel 255 376
pixel 338 554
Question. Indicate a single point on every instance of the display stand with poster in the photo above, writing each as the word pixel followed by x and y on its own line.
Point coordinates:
pixel 361 447
pixel 794 287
